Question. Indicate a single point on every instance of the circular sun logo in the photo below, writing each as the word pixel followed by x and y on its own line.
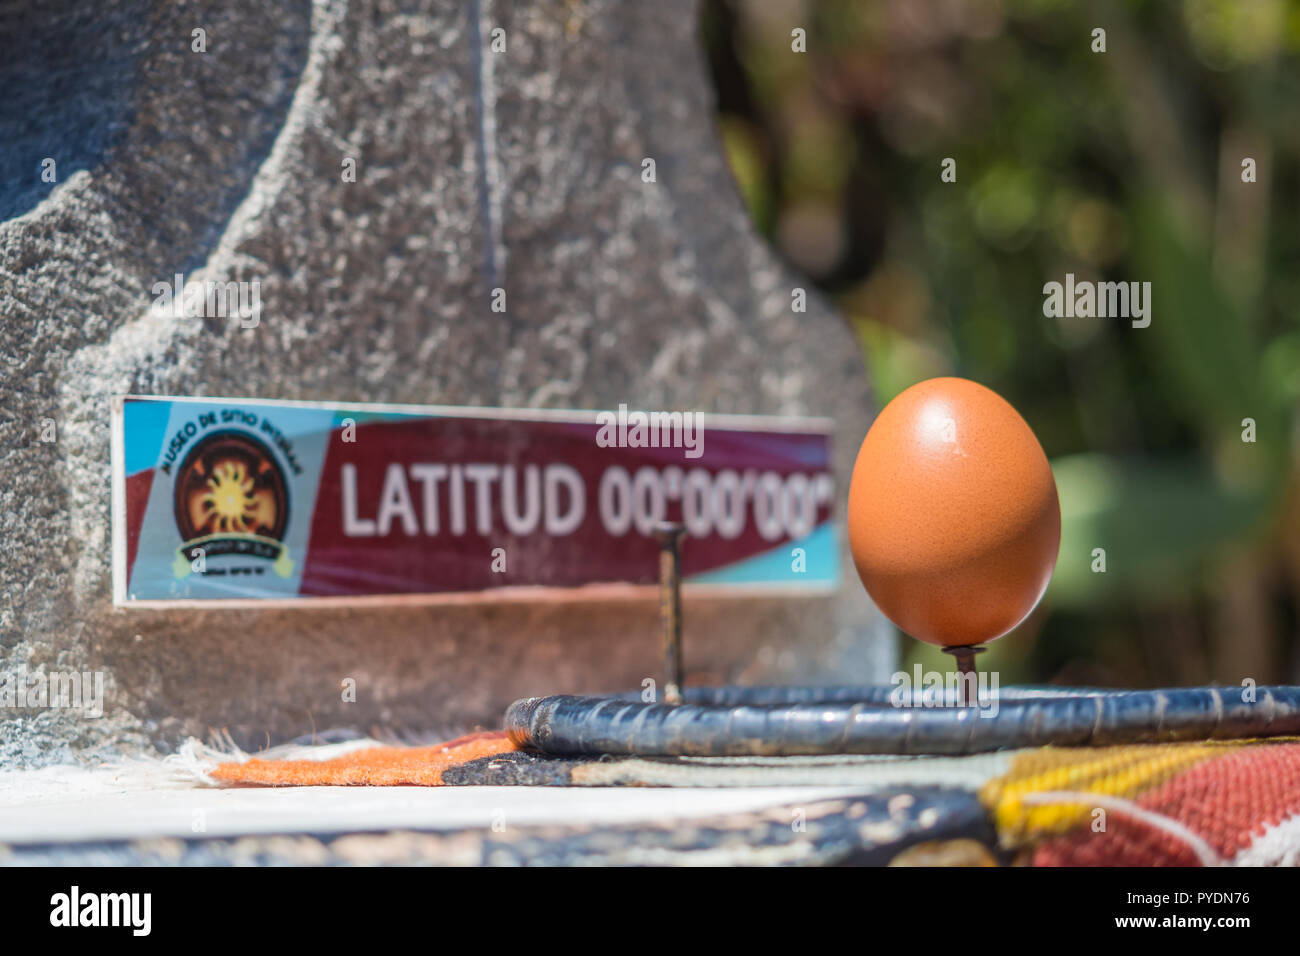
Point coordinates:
pixel 230 484
pixel 230 503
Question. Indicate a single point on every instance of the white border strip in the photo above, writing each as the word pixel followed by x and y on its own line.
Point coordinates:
pixel 536 594
pixel 117 444
pixel 762 423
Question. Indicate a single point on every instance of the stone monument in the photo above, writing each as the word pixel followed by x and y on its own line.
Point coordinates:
pixel 381 170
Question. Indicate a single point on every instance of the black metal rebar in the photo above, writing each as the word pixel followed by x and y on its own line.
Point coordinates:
pixel 784 721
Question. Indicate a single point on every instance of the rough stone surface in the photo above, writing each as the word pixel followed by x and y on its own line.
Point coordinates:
pixel 475 170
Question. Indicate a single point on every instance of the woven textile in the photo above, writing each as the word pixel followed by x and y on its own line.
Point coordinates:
pixel 1165 805
pixel 371 766
pixel 1229 802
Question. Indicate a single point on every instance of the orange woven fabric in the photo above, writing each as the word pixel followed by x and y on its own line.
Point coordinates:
pixel 374 766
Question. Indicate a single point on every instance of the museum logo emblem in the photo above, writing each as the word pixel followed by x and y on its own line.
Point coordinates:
pixel 231 498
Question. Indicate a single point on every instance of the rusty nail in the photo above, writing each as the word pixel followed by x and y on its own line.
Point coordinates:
pixel 965 657
pixel 670 607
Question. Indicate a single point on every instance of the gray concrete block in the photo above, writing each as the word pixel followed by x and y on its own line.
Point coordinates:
pixel 475 170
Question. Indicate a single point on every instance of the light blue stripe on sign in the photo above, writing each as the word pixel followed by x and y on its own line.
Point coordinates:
pixel 821 559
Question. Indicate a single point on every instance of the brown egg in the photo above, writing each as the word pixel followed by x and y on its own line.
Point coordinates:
pixel 953 518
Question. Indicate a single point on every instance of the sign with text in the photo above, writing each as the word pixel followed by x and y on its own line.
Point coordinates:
pixel 247 500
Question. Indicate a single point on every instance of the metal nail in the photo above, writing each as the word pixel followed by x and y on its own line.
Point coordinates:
pixel 670 607
pixel 965 657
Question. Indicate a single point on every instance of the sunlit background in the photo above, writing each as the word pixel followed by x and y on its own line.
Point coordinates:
pixel 1117 166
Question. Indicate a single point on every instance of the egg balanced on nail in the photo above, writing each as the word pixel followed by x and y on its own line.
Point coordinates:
pixel 954 521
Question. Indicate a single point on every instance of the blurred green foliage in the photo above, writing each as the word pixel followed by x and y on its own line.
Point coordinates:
pixel 1122 165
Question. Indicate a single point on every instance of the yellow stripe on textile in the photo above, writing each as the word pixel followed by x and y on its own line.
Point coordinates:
pixel 1123 771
